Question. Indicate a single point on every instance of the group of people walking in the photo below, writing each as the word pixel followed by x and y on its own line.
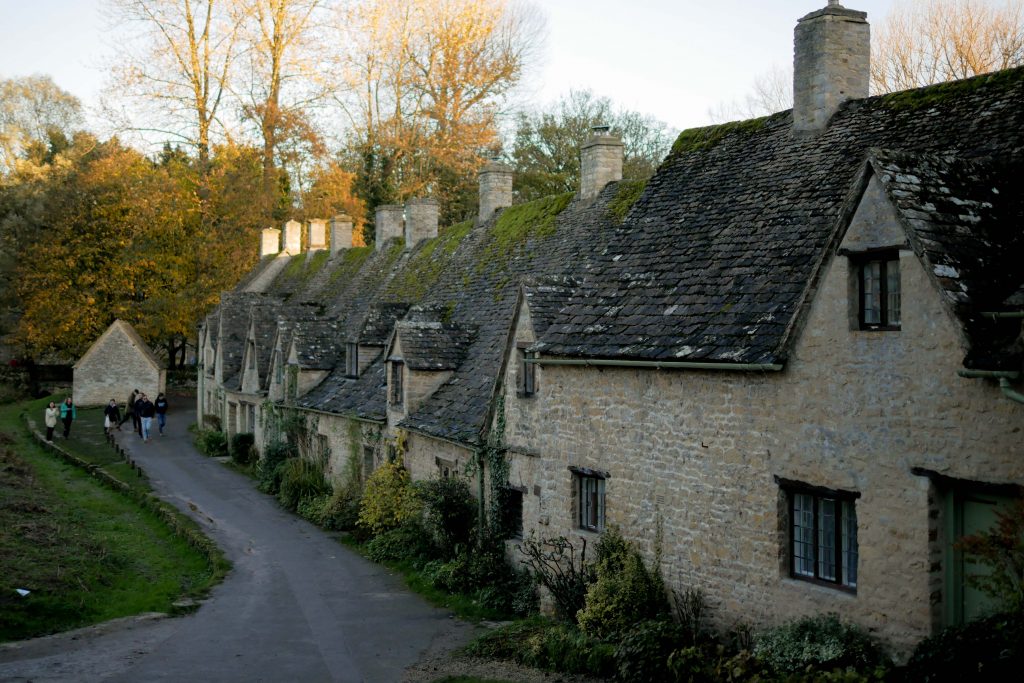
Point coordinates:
pixel 139 409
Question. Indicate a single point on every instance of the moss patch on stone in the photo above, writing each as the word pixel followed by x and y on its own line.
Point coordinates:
pixel 427 263
pixel 350 261
pixel 933 95
pixel 625 197
pixel 518 224
pixel 697 139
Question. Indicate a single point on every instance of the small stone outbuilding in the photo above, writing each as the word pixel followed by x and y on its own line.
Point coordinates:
pixel 116 363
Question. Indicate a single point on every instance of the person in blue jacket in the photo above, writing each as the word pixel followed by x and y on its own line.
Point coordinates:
pixel 68 414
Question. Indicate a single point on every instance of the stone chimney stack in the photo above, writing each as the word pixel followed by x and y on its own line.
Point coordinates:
pixel 270 242
pixel 341 233
pixel 420 220
pixel 292 237
pixel 831 64
pixel 388 223
pixel 495 188
pixel 600 161
pixel 317 237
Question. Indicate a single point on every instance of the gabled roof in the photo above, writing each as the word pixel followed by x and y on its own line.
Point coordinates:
pixel 364 397
pixel 317 344
pixel 234 313
pixel 545 296
pixel 121 327
pixel 429 344
pixel 380 321
pixel 715 260
pixel 965 218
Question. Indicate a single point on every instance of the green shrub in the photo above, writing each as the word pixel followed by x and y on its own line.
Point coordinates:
pixel 312 508
pixel 406 542
pixel 544 644
pixel 709 663
pixel 449 512
pixel 340 511
pixel 300 479
pixel 243 447
pixel 818 643
pixel 270 466
pixel 211 421
pixel 212 443
pixel 625 591
pixel 554 563
pixel 990 649
pixel 389 500
pixel 644 649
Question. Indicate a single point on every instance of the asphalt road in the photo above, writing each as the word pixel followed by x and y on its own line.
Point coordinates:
pixel 297 606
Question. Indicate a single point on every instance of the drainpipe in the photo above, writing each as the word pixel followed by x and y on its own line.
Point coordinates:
pixel 1004 377
pixel 659 364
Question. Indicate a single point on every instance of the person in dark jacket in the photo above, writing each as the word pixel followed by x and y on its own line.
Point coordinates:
pixel 129 410
pixel 111 417
pixel 139 400
pixel 161 412
pixel 146 410
pixel 68 414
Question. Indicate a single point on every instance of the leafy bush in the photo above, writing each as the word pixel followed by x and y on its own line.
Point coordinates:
pixel 406 542
pixel 211 421
pixel 212 443
pixel 544 644
pixel 340 511
pixel 450 512
pixel 1001 549
pixel 243 448
pixel 554 564
pixel 624 593
pixel 644 648
pixel 389 500
pixel 818 643
pixel 270 467
pixel 991 649
pixel 300 480
pixel 689 607
pixel 714 663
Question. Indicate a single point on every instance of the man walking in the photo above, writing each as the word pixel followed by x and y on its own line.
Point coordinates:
pixel 161 411
pixel 146 411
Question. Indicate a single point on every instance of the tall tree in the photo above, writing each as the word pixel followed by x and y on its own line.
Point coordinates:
pixel 175 70
pixel 33 110
pixel 546 144
pixel 933 41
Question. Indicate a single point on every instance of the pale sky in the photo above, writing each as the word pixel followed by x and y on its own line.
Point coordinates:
pixel 673 59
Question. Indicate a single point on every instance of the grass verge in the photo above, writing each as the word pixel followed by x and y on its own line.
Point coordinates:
pixel 87 552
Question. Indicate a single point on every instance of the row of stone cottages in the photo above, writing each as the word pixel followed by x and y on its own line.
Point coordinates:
pixel 796 350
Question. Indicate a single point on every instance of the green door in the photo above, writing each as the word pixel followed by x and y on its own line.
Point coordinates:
pixel 967 513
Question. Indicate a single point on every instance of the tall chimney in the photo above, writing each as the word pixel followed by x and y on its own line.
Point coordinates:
pixel 270 242
pixel 388 223
pixel 600 161
pixel 317 236
pixel 292 237
pixel 420 220
pixel 341 233
pixel 495 188
pixel 831 64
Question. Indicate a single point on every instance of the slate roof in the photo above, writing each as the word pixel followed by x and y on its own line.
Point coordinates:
pixel 379 321
pixel 714 259
pixel 264 318
pixel 965 218
pixel 234 311
pixel 364 397
pixel 546 296
pixel 318 344
pixel 432 344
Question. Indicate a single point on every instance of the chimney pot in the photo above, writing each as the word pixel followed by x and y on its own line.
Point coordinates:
pixel 495 188
pixel 292 237
pixel 317 237
pixel 387 224
pixel 600 161
pixel 270 242
pixel 831 64
pixel 420 220
pixel 341 233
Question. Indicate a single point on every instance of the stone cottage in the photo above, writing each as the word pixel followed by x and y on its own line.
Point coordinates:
pixel 790 362
pixel 116 363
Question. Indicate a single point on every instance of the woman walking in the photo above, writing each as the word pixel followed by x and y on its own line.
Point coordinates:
pixel 68 414
pixel 111 417
pixel 50 417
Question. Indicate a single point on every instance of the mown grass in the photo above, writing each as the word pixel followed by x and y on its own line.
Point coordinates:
pixel 85 552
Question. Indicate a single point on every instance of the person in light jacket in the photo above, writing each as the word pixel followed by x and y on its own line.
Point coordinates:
pixel 50 417
pixel 68 414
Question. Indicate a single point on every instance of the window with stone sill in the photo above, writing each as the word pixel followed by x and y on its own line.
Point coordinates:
pixel 879 301
pixel 821 531
pixel 527 384
pixel 589 491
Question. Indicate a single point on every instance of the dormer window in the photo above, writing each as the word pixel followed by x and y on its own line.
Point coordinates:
pixel 527 371
pixel 351 359
pixel 878 276
pixel 397 370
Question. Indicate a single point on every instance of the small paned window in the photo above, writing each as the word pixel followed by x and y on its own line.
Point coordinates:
pixel 351 360
pixel 823 537
pixel 879 285
pixel 397 371
pixel 527 371
pixel 590 494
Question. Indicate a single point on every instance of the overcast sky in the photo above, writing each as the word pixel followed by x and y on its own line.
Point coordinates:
pixel 674 59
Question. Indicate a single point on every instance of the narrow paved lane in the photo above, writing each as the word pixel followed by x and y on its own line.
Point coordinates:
pixel 297 606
